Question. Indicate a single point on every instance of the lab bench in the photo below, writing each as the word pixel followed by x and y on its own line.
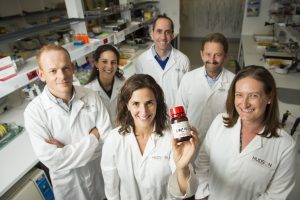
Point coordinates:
pixel 17 157
pixel 253 55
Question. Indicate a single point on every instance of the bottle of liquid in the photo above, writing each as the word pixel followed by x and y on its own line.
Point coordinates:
pixel 180 124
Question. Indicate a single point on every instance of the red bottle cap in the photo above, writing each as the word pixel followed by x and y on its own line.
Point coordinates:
pixel 177 111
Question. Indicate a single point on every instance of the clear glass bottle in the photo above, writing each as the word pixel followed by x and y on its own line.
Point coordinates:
pixel 180 124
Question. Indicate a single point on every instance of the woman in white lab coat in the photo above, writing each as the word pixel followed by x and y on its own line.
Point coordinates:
pixel 245 154
pixel 106 78
pixel 137 160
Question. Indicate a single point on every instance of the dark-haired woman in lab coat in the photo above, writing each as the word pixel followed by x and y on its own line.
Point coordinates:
pixel 140 159
pixel 106 78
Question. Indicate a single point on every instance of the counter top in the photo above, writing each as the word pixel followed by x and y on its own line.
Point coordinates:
pixel 253 56
pixel 17 157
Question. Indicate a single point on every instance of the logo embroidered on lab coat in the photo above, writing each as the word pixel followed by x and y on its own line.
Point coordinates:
pixel 262 162
pixel 89 108
pixel 183 70
pixel 160 157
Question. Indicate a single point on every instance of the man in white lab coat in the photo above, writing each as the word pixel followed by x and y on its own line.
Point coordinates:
pixel 203 91
pixel 67 126
pixel 164 63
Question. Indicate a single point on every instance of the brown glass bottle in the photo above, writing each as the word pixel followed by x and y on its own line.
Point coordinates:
pixel 180 124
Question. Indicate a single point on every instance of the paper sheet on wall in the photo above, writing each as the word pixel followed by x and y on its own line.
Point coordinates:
pixel 119 37
pixel 253 8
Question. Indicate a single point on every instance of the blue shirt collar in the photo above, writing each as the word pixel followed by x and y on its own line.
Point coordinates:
pixel 211 81
pixel 154 53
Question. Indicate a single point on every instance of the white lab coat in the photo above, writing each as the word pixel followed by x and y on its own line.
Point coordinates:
pixel 169 78
pixel 201 102
pixel 110 103
pixel 265 169
pixel 74 169
pixel 130 175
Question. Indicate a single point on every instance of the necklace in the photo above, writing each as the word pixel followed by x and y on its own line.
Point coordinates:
pixel 241 141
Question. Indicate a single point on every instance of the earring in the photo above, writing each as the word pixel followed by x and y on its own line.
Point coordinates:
pixel 269 102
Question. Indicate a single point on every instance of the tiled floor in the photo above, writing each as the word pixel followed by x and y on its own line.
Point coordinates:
pixel 191 47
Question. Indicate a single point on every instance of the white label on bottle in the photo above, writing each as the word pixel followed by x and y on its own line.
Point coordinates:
pixel 181 129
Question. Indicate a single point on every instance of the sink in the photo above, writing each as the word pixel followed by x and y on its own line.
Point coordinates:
pixel 289 96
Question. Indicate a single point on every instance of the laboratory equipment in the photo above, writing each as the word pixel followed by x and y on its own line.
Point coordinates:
pixel 285 117
pixel 297 121
pixel 10 132
pixel 33 186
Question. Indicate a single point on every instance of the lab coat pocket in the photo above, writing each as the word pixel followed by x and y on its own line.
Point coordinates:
pixel 158 176
pixel 88 116
pixel 89 108
pixel 160 170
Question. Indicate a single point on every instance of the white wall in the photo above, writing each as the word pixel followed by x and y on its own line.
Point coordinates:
pixel 200 17
pixel 53 3
pixel 11 8
pixel 253 25
pixel 15 7
pixel 172 9
pixel 32 5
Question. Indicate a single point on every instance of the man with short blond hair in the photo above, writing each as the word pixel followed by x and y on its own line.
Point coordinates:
pixel 67 125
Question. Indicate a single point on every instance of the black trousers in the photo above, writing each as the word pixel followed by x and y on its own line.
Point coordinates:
pixel 190 198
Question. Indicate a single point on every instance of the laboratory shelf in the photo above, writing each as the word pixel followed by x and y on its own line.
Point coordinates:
pixel 99 13
pixel 134 26
pixel 28 74
pixel 80 51
pixel 143 2
pixel 290 33
pixel 112 37
pixel 129 68
pixel 34 30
